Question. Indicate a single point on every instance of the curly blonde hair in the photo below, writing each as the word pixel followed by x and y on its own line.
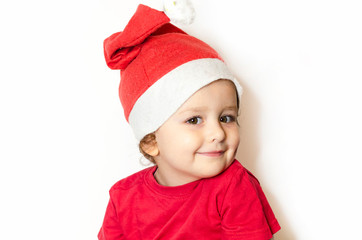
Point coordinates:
pixel 147 140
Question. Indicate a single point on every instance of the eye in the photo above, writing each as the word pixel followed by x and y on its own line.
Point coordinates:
pixel 194 120
pixel 227 119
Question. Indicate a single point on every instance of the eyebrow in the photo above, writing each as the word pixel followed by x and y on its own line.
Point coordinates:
pixel 200 109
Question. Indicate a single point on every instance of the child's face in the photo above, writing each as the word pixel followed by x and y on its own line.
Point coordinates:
pixel 201 138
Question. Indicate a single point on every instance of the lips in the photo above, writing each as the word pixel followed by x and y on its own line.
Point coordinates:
pixel 212 153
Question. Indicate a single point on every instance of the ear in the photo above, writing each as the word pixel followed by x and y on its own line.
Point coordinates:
pixel 151 148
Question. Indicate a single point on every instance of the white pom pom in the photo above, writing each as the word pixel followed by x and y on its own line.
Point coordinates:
pixel 179 11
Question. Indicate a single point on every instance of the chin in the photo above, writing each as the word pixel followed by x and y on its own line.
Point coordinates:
pixel 214 170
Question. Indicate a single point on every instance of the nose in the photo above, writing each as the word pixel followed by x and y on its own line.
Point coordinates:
pixel 215 132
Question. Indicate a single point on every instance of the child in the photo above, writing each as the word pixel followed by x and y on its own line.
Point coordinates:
pixel 182 104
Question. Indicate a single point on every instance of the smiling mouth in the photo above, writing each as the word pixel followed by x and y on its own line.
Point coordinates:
pixel 212 153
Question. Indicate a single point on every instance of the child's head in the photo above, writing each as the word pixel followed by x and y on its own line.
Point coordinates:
pixel 148 142
pixel 200 139
pixel 176 92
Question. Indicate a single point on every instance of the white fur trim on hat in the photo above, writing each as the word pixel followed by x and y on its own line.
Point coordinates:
pixel 179 11
pixel 165 96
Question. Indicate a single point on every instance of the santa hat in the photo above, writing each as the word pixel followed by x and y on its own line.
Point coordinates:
pixel 161 67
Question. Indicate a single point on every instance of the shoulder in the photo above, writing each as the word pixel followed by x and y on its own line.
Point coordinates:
pixel 244 209
pixel 132 181
pixel 236 172
pixel 235 182
pixel 236 179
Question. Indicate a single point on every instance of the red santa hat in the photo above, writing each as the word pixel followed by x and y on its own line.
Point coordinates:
pixel 161 67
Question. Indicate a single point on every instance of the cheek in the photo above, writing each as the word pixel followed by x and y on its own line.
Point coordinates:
pixel 234 137
pixel 177 140
pixel 189 139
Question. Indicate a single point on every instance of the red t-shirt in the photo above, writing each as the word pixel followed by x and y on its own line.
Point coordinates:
pixel 230 205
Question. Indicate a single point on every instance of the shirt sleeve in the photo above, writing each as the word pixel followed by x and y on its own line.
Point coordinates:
pixel 246 213
pixel 111 229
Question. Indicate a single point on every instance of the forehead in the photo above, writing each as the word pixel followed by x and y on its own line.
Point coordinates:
pixel 217 93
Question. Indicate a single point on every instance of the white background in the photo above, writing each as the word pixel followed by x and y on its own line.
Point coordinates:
pixel 64 140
